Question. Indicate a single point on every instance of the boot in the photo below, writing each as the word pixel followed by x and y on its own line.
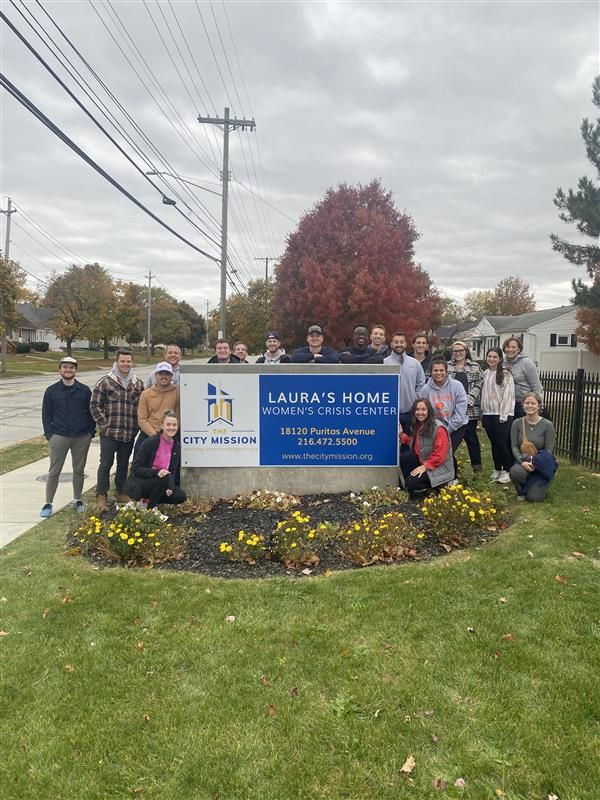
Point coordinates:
pixel 101 503
pixel 122 498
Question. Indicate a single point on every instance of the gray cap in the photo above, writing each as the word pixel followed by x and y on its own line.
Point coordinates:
pixel 68 360
pixel 315 329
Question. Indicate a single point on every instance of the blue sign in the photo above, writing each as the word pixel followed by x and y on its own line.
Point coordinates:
pixel 323 420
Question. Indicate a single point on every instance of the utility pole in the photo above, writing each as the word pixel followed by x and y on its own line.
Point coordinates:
pixel 9 212
pixel 148 333
pixel 266 259
pixel 227 125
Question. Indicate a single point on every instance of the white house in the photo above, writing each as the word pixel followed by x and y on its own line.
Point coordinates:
pixel 548 337
pixel 33 326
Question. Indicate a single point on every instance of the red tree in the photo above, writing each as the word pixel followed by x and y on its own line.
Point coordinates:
pixel 351 261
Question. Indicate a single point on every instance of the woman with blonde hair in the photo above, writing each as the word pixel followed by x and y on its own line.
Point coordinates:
pixel 532 439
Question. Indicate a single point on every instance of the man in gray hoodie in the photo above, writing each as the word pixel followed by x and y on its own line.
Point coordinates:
pixel 412 378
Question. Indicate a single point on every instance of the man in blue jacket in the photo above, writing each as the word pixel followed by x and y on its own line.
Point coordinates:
pixel 315 352
pixel 68 425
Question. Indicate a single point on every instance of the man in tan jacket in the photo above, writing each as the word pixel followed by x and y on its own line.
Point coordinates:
pixel 160 397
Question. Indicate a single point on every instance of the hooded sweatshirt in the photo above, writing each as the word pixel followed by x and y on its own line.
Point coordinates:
pixel 412 379
pixel 151 379
pixel 153 404
pixel 449 402
pixel 525 376
pixel 278 357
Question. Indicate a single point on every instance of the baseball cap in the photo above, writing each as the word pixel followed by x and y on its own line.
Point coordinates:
pixel 273 335
pixel 164 366
pixel 68 360
pixel 315 329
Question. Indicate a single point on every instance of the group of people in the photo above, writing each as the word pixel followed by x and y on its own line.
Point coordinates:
pixel 131 417
pixel 440 403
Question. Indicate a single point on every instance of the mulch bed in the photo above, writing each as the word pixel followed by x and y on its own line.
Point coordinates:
pixel 222 522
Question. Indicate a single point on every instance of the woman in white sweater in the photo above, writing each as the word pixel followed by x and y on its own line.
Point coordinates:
pixel 497 412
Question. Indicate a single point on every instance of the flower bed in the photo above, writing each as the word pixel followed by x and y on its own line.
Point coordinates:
pixel 272 534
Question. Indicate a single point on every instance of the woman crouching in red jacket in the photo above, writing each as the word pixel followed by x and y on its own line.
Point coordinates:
pixel 428 463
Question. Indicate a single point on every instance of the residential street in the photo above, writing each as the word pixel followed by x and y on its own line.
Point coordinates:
pixel 21 401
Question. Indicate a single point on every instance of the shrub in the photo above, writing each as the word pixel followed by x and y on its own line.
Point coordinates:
pixel 457 510
pixel 278 501
pixel 386 538
pixel 247 546
pixel 40 347
pixel 23 347
pixel 295 540
pixel 374 499
pixel 134 537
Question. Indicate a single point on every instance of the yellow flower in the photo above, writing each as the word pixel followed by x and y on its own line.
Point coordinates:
pixel 123 536
pixel 420 535
pixel 110 534
pixel 156 544
pixel 311 535
pixel 130 541
pixel 241 536
pixel 293 544
pixel 492 510
pixel 223 547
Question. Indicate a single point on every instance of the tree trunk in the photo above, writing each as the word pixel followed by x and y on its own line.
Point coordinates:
pixel 105 345
pixel 69 343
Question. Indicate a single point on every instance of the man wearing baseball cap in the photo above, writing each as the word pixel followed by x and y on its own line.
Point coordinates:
pixel 274 354
pixel 68 425
pixel 160 397
pixel 315 353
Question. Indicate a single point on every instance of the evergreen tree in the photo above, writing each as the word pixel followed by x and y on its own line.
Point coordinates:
pixel 582 207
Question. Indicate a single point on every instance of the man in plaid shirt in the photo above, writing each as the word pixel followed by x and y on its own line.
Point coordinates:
pixel 114 407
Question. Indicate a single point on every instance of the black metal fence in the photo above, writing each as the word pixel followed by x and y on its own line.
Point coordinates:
pixel 573 401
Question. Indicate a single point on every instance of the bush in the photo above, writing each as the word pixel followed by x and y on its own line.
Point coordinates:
pixel 133 536
pixel 23 347
pixel 278 501
pixel 245 547
pixel 295 540
pixel 372 539
pixel 374 499
pixel 456 510
pixel 40 347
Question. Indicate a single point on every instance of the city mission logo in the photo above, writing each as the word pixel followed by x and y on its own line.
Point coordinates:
pixel 219 405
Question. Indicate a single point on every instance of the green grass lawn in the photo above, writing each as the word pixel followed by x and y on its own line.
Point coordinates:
pixel 17 455
pixel 482 665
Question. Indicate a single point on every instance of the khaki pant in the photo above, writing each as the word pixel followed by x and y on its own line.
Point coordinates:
pixel 59 447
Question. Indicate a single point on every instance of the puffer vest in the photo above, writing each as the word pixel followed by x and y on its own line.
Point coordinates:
pixel 445 472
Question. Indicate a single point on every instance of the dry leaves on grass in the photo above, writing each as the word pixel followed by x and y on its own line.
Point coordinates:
pixel 4 633
pixel 408 765
pixel 69 668
pixel 230 618
pixel 560 579
pixel 271 710
pixel 508 637
pixel 440 784
pixel 460 783
pixel 264 679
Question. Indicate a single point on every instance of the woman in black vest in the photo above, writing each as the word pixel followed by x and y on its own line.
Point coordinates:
pixel 428 462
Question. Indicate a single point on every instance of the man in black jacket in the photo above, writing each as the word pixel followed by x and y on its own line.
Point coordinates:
pixel 68 425
pixel 316 352
pixel 223 354
pixel 360 352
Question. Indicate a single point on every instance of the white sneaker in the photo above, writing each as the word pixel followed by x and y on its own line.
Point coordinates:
pixel 504 477
pixel 495 474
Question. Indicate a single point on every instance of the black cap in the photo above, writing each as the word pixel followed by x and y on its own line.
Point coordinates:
pixel 273 335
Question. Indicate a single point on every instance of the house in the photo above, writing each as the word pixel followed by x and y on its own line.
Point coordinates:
pixel 34 326
pixel 548 337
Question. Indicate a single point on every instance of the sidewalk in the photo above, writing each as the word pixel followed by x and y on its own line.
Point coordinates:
pixel 22 493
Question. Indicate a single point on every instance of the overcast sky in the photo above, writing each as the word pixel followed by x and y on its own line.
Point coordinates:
pixel 468 112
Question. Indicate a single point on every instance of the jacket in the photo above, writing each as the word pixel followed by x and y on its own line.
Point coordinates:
pixel 267 358
pixel 412 380
pixel 303 355
pixel 472 372
pixel 424 447
pixel 354 355
pixel 545 466
pixel 152 405
pixel 449 402
pixel 525 376
pixel 142 466
pixel 114 407
pixel 425 364
pixel 66 410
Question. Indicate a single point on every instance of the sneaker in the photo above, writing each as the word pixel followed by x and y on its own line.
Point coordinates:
pixel 101 503
pixel 453 482
pixel 46 510
pixel 477 467
pixel 504 477
pixel 79 505
pixel 121 498
pixel 495 474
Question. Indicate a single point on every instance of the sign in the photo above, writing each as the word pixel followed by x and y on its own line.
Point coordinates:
pixel 289 419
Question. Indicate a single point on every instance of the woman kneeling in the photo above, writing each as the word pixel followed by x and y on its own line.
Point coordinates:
pixel 532 439
pixel 156 466
pixel 428 462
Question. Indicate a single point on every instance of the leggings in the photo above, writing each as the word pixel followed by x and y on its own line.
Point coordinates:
pixel 413 483
pixel 155 490
pixel 499 435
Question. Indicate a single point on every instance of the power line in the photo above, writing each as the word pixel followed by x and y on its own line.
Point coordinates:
pixel 33 109
pixel 50 237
